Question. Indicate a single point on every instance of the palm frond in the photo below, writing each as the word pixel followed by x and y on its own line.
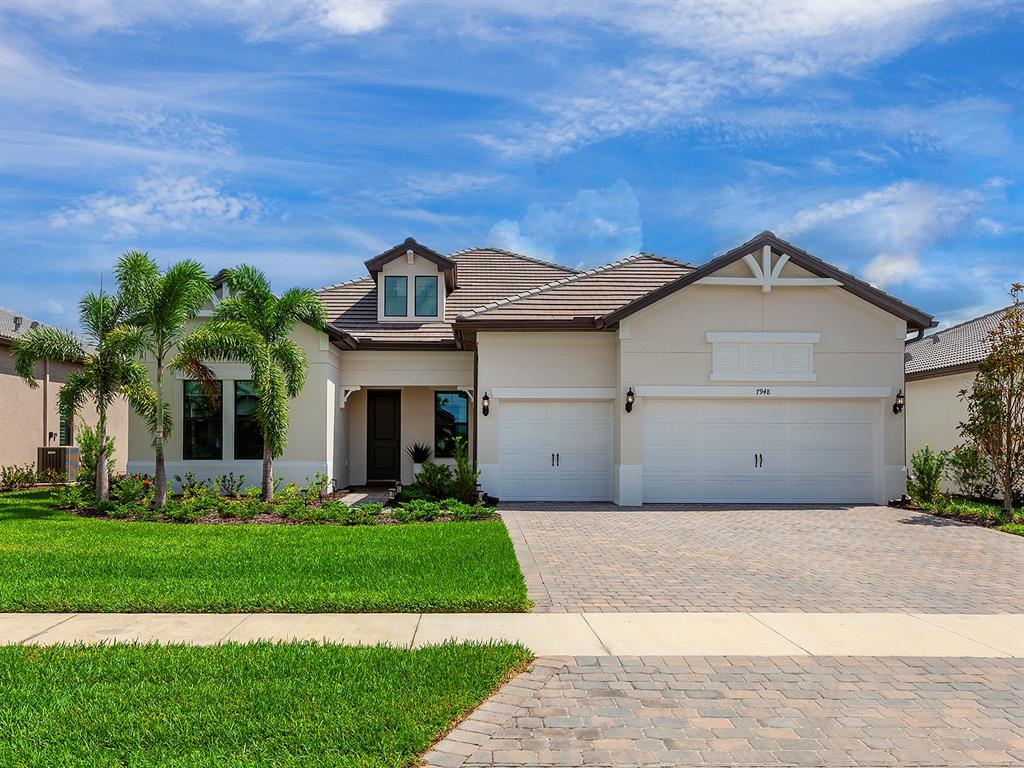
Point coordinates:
pixel 292 360
pixel 141 396
pixel 126 341
pixel 44 343
pixel 272 407
pixel 136 274
pixel 220 340
pixel 182 292
pixel 299 304
pixel 72 394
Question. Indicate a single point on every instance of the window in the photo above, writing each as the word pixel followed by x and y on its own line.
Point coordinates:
pixel 204 423
pixel 248 437
pixel 451 420
pixel 66 434
pixel 396 293
pixel 426 296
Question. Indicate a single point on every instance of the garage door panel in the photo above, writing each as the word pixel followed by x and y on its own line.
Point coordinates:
pixel 811 451
pixel 580 433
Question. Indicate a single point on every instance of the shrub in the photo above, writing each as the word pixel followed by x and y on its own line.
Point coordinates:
pixel 120 511
pixel 364 514
pixel 89 451
pixel 227 485
pixel 289 492
pixel 420 453
pixel 418 511
pixel 70 497
pixel 51 476
pixel 15 478
pixel 331 511
pixel 182 510
pixel 189 484
pixel 129 488
pixel 969 469
pixel 926 474
pixel 466 475
pixel 463 512
pixel 414 492
pixel 436 481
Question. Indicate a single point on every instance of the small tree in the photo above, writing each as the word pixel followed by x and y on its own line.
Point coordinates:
pixel 995 403
pixel 253 326
pixel 163 305
pixel 109 365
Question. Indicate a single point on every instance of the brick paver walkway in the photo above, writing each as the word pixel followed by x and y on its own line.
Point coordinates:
pixel 579 558
pixel 718 711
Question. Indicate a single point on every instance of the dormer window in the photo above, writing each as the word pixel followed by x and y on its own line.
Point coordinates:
pixel 396 296
pixel 412 283
pixel 426 295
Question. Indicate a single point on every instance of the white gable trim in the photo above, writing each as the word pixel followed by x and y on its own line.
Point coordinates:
pixel 767 276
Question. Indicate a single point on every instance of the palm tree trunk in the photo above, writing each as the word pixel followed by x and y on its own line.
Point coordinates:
pixel 102 476
pixel 268 475
pixel 160 470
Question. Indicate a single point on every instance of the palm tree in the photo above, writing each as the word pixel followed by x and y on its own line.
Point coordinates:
pixel 109 365
pixel 162 307
pixel 252 325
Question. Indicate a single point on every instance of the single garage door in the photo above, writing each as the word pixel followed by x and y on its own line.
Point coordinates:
pixel 760 451
pixel 554 450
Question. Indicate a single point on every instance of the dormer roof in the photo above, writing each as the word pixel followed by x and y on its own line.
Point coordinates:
pixel 444 265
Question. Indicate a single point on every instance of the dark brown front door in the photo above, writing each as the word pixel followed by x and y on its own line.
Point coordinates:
pixel 383 433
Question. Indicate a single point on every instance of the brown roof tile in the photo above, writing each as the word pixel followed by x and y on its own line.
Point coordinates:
pixel 588 294
pixel 956 346
pixel 484 275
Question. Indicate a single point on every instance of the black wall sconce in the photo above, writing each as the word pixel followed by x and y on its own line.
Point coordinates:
pixel 630 399
pixel 485 404
pixel 901 400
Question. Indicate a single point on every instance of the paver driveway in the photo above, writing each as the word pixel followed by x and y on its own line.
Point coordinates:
pixel 719 711
pixel 861 559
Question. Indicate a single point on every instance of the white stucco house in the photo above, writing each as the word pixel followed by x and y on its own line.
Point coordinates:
pixel 764 375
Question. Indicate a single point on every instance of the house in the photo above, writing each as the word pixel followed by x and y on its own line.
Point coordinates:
pixel 765 375
pixel 938 367
pixel 29 417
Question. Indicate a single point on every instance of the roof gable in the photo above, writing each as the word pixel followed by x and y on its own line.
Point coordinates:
pixel 959 347
pixel 444 264
pixel 915 318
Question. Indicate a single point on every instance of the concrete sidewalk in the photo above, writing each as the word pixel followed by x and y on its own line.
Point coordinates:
pixel 568 634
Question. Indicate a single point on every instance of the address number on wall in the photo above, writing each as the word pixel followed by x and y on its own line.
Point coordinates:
pixel 763 392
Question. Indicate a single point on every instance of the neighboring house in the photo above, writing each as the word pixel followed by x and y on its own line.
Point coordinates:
pixel 29 417
pixel 938 367
pixel 765 375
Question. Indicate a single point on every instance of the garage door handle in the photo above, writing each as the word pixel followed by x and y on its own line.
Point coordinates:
pixel 558 459
pixel 552 459
pixel 760 459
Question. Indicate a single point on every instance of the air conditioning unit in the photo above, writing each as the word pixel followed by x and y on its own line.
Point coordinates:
pixel 63 458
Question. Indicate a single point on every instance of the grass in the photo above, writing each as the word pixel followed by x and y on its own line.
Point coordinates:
pixel 978 513
pixel 239 705
pixel 54 561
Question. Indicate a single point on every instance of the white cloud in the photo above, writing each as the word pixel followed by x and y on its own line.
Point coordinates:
pixel 259 19
pixel 898 222
pixel 156 204
pixel 596 226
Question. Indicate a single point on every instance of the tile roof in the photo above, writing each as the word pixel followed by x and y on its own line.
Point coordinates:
pixel 958 345
pixel 13 324
pixel 484 275
pixel 589 294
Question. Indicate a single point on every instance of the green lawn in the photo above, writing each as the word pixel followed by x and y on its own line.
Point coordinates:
pixel 55 561
pixel 238 705
pixel 978 513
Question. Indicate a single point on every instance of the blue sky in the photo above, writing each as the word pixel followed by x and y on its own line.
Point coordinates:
pixel 306 137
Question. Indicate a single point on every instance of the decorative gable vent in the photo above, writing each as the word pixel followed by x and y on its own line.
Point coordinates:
pixel 762 356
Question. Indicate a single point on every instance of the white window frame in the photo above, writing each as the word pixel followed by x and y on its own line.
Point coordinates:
pixel 779 343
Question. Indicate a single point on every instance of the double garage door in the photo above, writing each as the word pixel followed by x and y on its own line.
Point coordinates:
pixel 695 450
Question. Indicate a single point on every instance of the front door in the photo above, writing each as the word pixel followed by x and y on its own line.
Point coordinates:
pixel 383 432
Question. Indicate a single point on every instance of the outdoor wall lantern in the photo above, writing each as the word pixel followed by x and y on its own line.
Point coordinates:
pixel 630 399
pixel 485 404
pixel 901 400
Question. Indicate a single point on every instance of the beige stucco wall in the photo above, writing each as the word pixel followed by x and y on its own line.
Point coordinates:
pixel 28 416
pixel 933 411
pixel 311 429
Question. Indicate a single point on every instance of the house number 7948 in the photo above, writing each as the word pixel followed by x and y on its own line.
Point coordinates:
pixel 762 392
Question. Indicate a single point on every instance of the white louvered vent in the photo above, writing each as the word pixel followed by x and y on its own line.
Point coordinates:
pixel 762 356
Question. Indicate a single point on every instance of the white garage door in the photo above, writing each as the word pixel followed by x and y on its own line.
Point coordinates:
pixel 797 451
pixel 556 450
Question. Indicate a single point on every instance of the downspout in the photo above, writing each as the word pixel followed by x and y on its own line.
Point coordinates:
pixel 46 402
pixel 476 399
